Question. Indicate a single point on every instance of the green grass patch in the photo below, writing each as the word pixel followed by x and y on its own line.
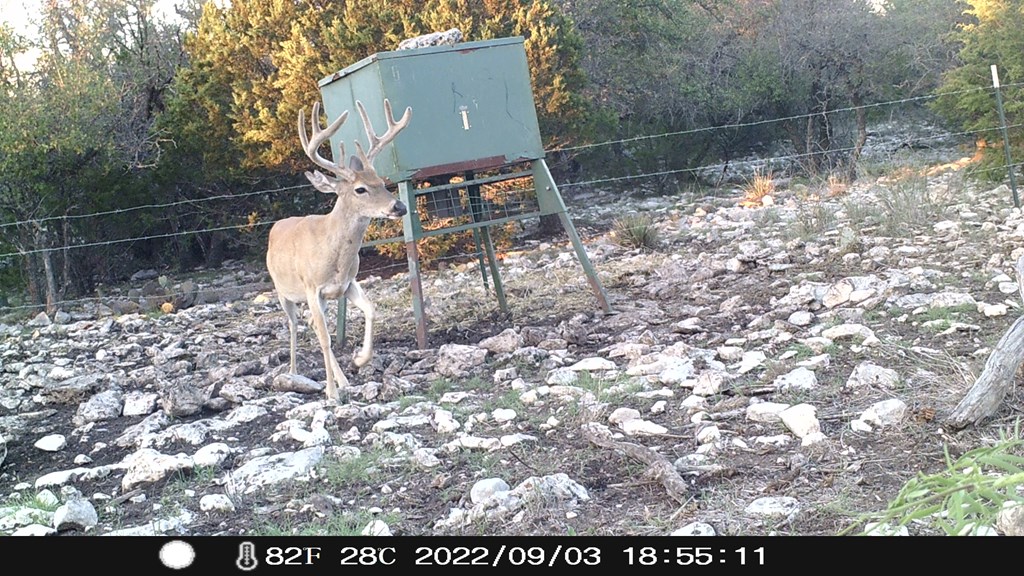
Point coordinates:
pixel 907 205
pixel 813 218
pixel 947 313
pixel 37 501
pixel 802 351
pixel 365 469
pixel 968 494
pixel 609 390
pixel 341 524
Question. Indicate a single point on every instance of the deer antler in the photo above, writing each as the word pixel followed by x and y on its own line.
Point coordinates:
pixel 377 143
pixel 312 147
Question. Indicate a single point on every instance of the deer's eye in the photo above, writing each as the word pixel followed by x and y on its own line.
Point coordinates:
pixel 361 190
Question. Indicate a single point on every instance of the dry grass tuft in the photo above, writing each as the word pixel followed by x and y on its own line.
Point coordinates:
pixel 760 187
pixel 636 231
pixel 837 185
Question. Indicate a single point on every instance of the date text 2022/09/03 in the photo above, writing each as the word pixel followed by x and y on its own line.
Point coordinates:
pixel 269 554
pixel 329 554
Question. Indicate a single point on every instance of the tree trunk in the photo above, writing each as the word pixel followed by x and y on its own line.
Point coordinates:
pixel 810 160
pixel 985 397
pixel 215 255
pixel 549 225
pixel 29 266
pixel 862 138
pixel 66 269
pixel 51 281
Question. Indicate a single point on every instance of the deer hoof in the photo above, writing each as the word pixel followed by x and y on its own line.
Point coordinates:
pixel 333 396
pixel 360 359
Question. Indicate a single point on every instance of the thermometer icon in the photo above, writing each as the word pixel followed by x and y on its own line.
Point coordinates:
pixel 246 557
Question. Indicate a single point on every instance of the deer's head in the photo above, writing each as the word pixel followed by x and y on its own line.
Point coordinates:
pixel 358 187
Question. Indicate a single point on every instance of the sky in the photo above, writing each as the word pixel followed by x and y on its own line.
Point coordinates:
pixel 19 13
pixel 22 14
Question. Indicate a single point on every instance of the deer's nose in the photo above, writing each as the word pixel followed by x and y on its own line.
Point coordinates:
pixel 398 209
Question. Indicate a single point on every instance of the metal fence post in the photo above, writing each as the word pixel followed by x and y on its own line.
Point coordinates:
pixel 1006 138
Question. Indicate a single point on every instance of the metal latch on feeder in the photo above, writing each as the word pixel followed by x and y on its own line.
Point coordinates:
pixel 464 111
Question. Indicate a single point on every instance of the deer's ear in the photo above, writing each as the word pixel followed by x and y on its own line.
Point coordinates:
pixel 322 182
pixel 354 163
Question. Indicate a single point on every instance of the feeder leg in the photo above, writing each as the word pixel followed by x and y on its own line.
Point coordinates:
pixel 342 316
pixel 476 209
pixel 551 202
pixel 473 192
pixel 410 227
pixel 492 261
pixel 588 267
pixel 478 243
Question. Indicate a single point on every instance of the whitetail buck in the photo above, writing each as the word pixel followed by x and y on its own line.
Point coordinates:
pixel 315 258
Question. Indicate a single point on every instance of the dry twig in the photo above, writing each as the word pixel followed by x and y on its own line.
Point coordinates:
pixel 659 466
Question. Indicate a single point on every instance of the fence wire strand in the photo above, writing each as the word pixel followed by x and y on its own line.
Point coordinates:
pixel 402 264
pixel 171 204
pixel 154 206
pixel 692 170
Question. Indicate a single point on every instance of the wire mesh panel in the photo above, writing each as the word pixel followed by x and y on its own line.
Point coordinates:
pixel 443 206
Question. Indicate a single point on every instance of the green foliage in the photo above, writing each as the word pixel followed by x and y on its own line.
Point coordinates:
pixel 640 69
pixel 949 313
pixel 675 67
pixel 606 389
pixel 439 388
pixel 907 205
pixel 76 136
pixel 124 110
pixel 813 218
pixel 802 351
pixel 359 470
pixel 966 96
pixel 511 400
pixel 968 494
pixel 257 63
pixel 902 207
pixel 35 501
pixel 254 65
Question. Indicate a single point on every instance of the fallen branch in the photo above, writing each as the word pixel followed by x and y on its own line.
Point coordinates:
pixel 660 467
pixel 985 397
pixel 124 497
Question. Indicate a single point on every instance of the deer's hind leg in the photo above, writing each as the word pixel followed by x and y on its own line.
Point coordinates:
pixel 291 310
pixel 355 294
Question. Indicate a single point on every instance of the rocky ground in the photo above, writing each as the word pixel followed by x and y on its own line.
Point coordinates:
pixel 782 368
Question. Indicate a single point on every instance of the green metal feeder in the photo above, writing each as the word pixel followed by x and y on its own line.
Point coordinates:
pixel 473 117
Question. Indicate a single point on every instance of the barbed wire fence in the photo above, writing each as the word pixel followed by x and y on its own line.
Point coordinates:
pixel 457 256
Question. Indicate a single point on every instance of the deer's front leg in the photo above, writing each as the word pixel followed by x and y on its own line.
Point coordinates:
pixel 317 307
pixel 355 295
